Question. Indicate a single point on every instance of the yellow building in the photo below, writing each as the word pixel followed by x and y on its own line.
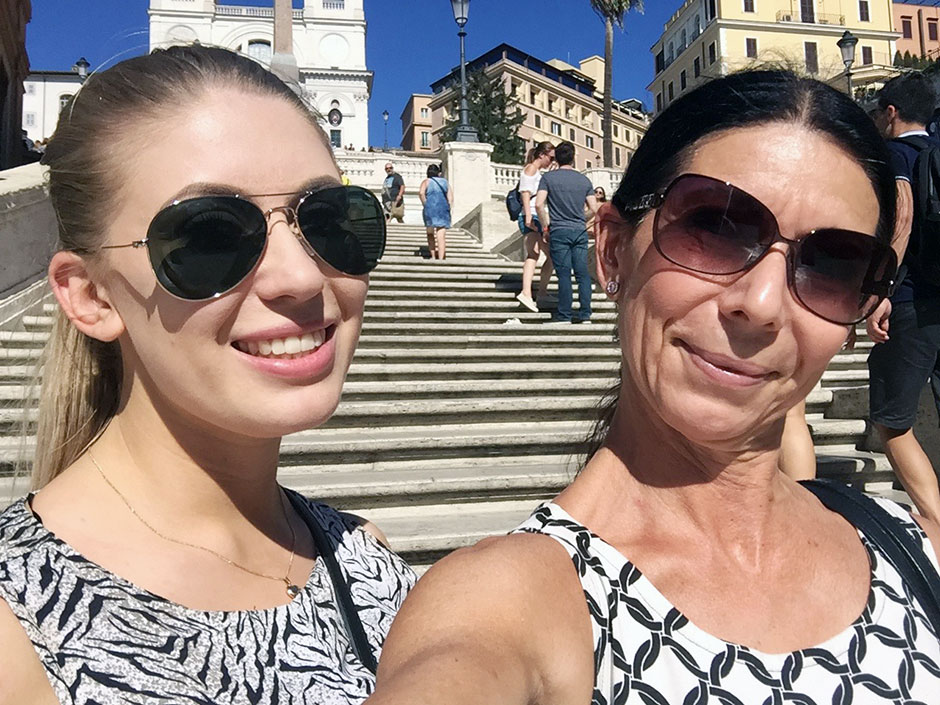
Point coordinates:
pixel 708 38
pixel 416 124
pixel 560 102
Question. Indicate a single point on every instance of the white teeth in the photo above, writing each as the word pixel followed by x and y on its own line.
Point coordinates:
pixel 288 348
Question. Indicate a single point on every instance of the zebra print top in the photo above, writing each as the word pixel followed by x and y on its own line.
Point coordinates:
pixel 103 640
pixel 646 652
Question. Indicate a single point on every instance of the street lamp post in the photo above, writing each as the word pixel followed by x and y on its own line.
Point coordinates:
pixel 385 118
pixel 847 46
pixel 465 132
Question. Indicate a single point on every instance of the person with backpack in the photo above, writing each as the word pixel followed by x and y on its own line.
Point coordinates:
pixel 539 158
pixel 906 328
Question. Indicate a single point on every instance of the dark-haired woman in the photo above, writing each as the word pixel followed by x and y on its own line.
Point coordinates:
pixel 211 292
pixel 749 234
pixel 437 197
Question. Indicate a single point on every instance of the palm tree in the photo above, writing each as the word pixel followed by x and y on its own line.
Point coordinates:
pixel 612 12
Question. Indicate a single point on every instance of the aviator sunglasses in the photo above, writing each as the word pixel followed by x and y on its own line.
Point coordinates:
pixel 205 246
pixel 710 226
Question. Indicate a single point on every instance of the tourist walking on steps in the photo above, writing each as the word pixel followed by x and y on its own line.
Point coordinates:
pixel 393 194
pixel 561 201
pixel 210 294
pixel 437 197
pixel 906 329
pixel 750 231
pixel 539 159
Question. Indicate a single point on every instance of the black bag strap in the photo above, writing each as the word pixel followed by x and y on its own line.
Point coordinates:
pixel 344 603
pixel 887 532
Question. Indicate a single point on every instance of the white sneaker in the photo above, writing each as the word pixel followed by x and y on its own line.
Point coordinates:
pixel 585 322
pixel 527 302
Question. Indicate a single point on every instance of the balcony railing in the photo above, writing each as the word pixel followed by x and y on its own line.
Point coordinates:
pixel 334 4
pixel 245 11
pixel 818 18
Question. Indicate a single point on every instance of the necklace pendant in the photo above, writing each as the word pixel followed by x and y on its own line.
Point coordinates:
pixel 292 590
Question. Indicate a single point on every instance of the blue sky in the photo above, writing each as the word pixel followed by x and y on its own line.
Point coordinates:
pixel 410 42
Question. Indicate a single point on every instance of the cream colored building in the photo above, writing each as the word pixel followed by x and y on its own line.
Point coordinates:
pixel 416 124
pixel 329 43
pixel 707 38
pixel 561 102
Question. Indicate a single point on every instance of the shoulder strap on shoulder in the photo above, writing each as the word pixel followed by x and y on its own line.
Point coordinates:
pixel 889 535
pixel 345 606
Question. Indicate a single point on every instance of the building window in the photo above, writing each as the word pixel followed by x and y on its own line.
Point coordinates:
pixel 29 120
pixel 906 30
pixel 712 53
pixel 626 136
pixel 812 58
pixel 616 131
pixel 532 96
pixel 808 11
pixel 670 91
pixel 260 50
pixel 660 62
pixel 710 10
pixel 866 55
pixel 556 128
pixel 587 165
pixel 685 41
pixel 617 156
pixel 64 101
pixel 336 138
pixel 425 139
pixel 538 121
pixel 670 53
pixel 31 88
pixel 425 113
pixel 750 45
pixel 749 5
pixel 863 15
pixel 659 102
pixel 682 81
pixel 589 141
pixel 571 134
pixel 932 30
pixel 551 105
pixel 696 67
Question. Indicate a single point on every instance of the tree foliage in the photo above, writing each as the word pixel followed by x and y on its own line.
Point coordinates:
pixel 612 12
pixel 495 116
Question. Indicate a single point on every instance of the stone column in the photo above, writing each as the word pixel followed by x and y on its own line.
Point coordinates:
pixel 468 168
pixel 283 62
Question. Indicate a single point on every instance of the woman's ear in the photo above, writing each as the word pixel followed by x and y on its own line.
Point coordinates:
pixel 84 302
pixel 610 236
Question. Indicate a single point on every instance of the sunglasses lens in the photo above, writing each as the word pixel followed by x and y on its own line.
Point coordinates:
pixel 711 227
pixel 345 227
pixel 205 246
pixel 836 271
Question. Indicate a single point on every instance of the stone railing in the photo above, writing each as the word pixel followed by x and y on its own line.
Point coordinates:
pixel 368 168
pixel 505 177
pixel 609 179
pixel 247 11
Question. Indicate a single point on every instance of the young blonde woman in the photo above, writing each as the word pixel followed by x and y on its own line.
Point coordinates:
pixel 539 158
pixel 211 293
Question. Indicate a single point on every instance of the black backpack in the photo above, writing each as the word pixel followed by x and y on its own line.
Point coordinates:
pixel 514 203
pixel 924 245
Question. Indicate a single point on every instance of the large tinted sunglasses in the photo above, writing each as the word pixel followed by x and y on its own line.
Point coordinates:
pixel 710 226
pixel 205 246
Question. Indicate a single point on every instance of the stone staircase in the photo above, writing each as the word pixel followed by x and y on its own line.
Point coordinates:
pixel 461 410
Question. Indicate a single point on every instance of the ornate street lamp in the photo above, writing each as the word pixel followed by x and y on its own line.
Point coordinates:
pixel 847 47
pixel 465 132
pixel 81 67
pixel 385 118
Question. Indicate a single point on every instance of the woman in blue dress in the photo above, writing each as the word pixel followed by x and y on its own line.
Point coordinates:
pixel 437 198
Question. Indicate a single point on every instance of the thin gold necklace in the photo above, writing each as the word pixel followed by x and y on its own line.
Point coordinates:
pixel 291 589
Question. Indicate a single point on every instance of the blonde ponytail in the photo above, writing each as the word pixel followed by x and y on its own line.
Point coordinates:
pixel 81 389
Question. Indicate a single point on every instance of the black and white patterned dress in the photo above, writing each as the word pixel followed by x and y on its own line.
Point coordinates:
pixel 104 641
pixel 647 653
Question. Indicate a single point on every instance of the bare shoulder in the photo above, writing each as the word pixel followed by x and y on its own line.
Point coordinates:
pixel 368 527
pixel 511 608
pixel 22 679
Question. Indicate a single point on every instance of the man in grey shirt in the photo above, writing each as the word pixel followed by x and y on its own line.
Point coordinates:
pixel 560 204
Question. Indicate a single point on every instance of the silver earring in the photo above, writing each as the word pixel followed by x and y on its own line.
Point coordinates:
pixel 613 286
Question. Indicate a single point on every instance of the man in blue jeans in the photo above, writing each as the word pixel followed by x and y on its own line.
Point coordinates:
pixel 560 205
